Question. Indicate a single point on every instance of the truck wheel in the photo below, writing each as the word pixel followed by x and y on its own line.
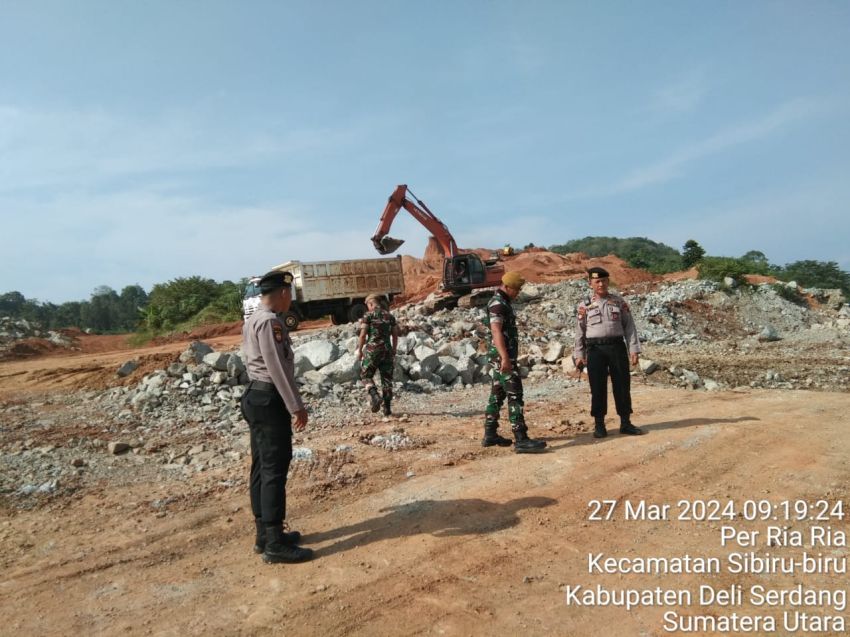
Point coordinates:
pixel 339 317
pixel 290 319
pixel 356 312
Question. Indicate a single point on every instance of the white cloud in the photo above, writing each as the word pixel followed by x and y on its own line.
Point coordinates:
pixel 673 166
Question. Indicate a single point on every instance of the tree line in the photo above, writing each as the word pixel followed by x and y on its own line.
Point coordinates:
pixel 659 258
pixel 181 303
pixel 184 303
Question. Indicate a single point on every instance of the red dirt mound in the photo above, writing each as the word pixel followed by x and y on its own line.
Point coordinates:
pixel 422 276
pixel 29 348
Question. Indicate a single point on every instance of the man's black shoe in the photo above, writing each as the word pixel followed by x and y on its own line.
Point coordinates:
pixel 600 431
pixel 496 440
pixel 283 554
pixel 630 430
pixel 278 551
pixel 524 444
pixel 387 410
pixel 492 437
pixel 290 538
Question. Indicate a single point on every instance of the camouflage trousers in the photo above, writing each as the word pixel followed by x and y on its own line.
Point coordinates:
pixel 380 361
pixel 506 386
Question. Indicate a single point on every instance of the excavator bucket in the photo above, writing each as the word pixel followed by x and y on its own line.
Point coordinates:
pixel 387 245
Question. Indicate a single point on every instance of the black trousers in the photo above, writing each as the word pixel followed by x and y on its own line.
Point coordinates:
pixel 271 453
pixel 602 361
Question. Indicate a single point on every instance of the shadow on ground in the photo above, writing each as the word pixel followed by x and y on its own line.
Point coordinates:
pixel 440 518
pixel 614 430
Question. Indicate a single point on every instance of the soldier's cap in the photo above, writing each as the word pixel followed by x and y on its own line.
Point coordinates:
pixel 275 280
pixel 513 280
pixel 597 273
pixel 377 298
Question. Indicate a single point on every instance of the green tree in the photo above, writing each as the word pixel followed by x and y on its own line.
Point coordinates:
pixel 692 253
pixel 638 252
pixel 172 303
pixel 131 304
pixel 758 262
pixel 816 274
pixel 718 268
pixel 11 303
pixel 68 315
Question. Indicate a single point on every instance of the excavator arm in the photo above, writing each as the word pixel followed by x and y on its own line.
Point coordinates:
pixel 385 244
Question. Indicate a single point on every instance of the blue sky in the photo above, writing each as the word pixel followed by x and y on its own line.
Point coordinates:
pixel 145 141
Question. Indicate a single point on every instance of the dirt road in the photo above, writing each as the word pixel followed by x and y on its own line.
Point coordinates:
pixel 447 539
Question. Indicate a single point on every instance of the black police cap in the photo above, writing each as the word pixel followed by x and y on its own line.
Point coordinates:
pixel 275 280
pixel 597 273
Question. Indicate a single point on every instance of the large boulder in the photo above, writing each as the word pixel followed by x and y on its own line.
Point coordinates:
pixel 399 375
pixel 344 369
pixel 447 371
pixel 466 369
pixel 554 352
pixel 217 360
pixel 429 364
pixel 302 364
pixel 768 334
pixel 315 377
pixel 127 368
pixel 235 366
pixel 405 345
pixel 195 352
pixel 647 366
pixel 423 351
pixel 319 352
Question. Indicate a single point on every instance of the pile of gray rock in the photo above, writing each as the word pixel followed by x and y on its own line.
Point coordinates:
pixel 446 349
pixel 17 329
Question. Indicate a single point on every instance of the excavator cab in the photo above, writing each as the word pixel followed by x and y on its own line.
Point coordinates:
pixel 464 271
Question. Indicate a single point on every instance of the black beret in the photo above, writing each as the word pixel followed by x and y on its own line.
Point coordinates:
pixel 274 280
pixel 597 273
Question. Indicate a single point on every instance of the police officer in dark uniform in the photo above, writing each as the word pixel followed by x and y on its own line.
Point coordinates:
pixel 606 342
pixel 270 403
pixel 503 352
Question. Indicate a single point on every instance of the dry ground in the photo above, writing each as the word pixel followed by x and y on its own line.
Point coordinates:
pixel 446 539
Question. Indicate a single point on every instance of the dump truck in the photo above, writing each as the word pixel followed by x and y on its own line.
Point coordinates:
pixel 332 288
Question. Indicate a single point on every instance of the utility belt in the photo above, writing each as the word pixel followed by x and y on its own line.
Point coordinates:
pixel 260 385
pixel 605 340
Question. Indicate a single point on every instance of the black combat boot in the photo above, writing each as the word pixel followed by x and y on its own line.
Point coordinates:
pixel 627 428
pixel 599 431
pixel 492 437
pixel 277 551
pixel 387 410
pixel 375 399
pixel 292 537
pixel 524 444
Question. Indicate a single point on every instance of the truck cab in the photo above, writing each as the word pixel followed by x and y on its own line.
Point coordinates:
pixel 251 297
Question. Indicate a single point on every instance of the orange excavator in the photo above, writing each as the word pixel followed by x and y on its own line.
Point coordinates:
pixel 462 272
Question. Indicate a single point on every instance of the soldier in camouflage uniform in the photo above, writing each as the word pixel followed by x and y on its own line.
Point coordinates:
pixel 503 351
pixel 377 346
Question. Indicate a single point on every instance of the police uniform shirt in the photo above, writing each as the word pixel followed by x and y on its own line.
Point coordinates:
pixel 268 356
pixel 605 317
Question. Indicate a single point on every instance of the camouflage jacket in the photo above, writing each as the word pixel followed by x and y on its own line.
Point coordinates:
pixel 379 328
pixel 500 310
